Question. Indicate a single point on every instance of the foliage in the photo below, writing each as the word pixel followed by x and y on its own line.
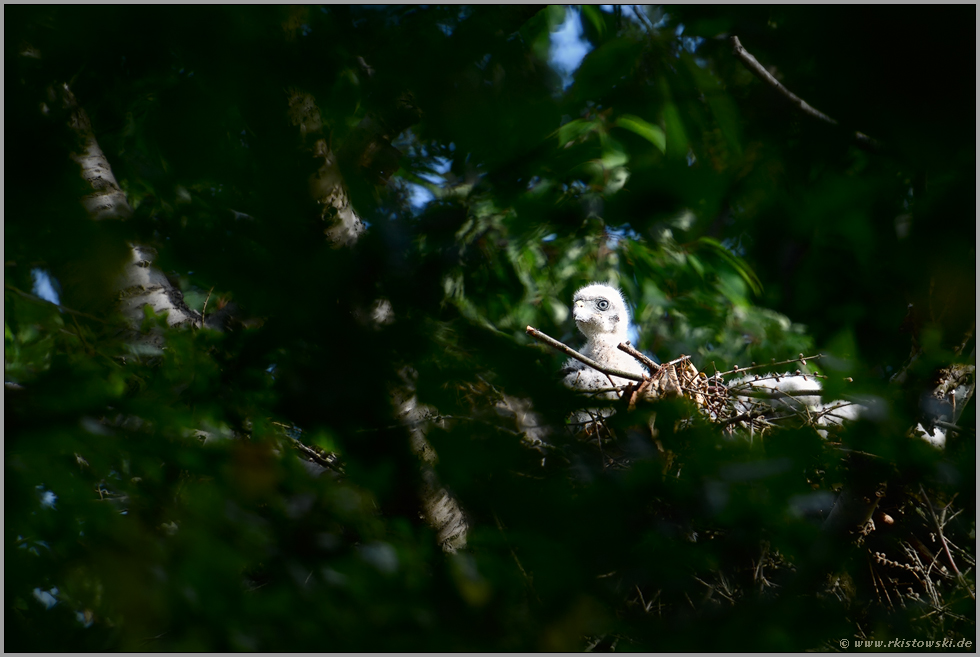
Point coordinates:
pixel 154 499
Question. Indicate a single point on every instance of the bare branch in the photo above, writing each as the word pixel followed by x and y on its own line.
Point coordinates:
pixel 70 311
pixel 204 312
pixel 862 140
pixel 632 351
pixel 774 394
pixel 564 348
pixel 801 359
pixel 942 540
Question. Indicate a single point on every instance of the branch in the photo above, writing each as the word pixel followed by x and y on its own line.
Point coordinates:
pixel 8 286
pixel 564 348
pixel 802 359
pixel 775 394
pixel 942 540
pixel 632 351
pixel 862 140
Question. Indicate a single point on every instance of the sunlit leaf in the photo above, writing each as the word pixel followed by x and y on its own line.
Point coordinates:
pixel 652 133
pixel 576 129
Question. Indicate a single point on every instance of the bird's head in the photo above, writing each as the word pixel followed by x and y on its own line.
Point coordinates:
pixel 600 310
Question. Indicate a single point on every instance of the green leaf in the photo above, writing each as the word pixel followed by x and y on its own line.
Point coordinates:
pixel 573 130
pixel 696 264
pixel 652 133
pixel 613 154
pixel 593 14
pixel 736 263
pixel 677 142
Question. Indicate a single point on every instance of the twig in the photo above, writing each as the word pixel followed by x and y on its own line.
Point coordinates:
pixel 801 359
pixel 632 351
pixel 942 539
pixel 774 394
pixel 862 140
pixel 555 344
pixel 527 578
pixel 638 12
pixel 32 297
pixel 204 311
pixel 748 415
pixel 154 638
pixel 966 339
pixel 952 427
pixel 79 334
pixel 440 418
pixel 713 589
pixel 676 361
pixel 318 458
pixel 958 409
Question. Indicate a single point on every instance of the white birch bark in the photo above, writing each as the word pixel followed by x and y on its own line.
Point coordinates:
pixel 139 283
pixel 343 227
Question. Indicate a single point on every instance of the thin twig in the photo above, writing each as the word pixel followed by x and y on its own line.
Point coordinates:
pixel 966 339
pixel 774 394
pixel 638 12
pixel 862 140
pixel 632 351
pixel 204 311
pixel 942 540
pixel 32 297
pixel 801 359
pixel 748 415
pixel 527 578
pixel 564 348
pixel 676 361
pixel 952 427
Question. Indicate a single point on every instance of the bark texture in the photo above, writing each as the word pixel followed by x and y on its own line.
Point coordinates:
pixel 139 283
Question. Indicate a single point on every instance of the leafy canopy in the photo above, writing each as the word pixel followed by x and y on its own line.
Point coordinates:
pixel 739 230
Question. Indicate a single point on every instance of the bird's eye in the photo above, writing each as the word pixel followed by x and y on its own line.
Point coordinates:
pixel 602 304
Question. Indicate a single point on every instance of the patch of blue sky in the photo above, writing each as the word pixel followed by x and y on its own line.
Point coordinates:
pixel 449 28
pixel 48 499
pixel 655 15
pixel 734 246
pixel 44 286
pixel 568 47
pixel 628 11
pixel 617 233
pixel 418 196
pixel 691 44
pixel 46 598
pixel 440 167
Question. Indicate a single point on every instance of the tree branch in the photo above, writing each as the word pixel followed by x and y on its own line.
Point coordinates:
pixel 564 348
pixel 862 140
pixel 635 353
pixel 942 540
